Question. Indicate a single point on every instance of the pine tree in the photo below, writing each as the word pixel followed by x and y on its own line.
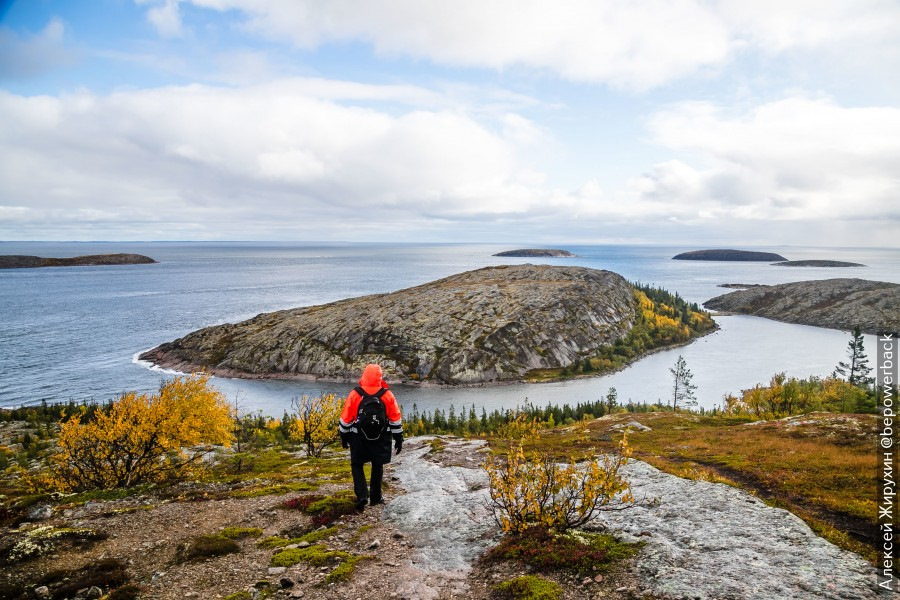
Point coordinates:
pixel 858 369
pixel 682 388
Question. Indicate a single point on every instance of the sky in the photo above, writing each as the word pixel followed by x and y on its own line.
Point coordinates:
pixel 705 123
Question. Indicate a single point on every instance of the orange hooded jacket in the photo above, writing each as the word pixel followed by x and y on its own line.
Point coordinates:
pixel 371 381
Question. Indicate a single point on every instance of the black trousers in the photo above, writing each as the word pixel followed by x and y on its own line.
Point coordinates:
pixel 373 490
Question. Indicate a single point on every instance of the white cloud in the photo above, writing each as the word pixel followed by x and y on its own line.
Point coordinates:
pixel 312 158
pixel 633 44
pixel 23 56
pixel 637 45
pixel 267 153
pixel 793 159
pixel 165 16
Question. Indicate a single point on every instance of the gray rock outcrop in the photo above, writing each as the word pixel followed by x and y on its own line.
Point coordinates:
pixel 537 252
pixel 704 540
pixel 843 304
pixel 817 263
pixel 492 324
pixel 726 254
pixel 709 540
pixel 16 261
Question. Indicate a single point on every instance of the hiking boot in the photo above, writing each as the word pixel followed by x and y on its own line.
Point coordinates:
pixel 361 503
pixel 375 501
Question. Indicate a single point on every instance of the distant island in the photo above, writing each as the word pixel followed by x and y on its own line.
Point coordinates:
pixel 496 324
pixel 740 286
pixel 537 253
pixel 843 304
pixel 15 261
pixel 816 263
pixel 733 255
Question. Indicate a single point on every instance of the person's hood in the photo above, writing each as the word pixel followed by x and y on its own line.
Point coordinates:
pixel 372 377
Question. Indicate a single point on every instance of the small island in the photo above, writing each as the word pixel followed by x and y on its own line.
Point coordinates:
pixel 873 306
pixel 816 263
pixel 537 253
pixel 15 261
pixel 730 255
pixel 492 325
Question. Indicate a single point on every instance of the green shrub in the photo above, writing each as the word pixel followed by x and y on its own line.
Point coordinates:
pixel 529 587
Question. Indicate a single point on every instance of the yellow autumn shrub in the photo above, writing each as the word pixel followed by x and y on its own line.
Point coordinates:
pixel 315 421
pixel 530 488
pixel 142 438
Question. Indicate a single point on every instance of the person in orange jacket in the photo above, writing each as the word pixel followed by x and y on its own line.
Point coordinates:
pixel 370 419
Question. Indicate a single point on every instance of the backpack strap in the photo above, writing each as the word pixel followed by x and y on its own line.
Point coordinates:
pixel 362 393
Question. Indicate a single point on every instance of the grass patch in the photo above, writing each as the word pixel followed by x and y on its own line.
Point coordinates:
pixel 528 587
pixel 205 546
pixel 239 533
pixel 576 551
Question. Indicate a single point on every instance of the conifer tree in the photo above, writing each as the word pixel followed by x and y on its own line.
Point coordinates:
pixel 858 369
pixel 682 388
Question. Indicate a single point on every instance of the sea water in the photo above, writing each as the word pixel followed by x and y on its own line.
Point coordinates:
pixel 74 332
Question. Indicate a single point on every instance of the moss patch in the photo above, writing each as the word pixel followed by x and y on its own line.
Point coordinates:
pixel 319 556
pixel 205 546
pixel 239 533
pixel 272 489
pixel 575 551
pixel 528 587
pixel 41 540
pixel 344 571
pixel 325 510
pixel 311 537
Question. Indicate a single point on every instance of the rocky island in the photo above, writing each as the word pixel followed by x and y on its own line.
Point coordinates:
pixel 16 261
pixel 496 324
pixel 843 304
pixel 537 253
pixel 730 255
pixel 816 263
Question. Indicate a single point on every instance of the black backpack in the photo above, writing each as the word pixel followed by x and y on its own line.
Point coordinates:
pixel 371 418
